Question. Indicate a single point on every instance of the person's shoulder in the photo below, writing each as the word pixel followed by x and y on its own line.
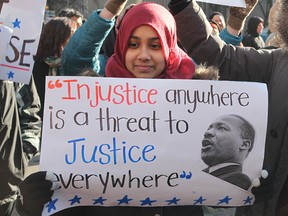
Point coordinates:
pixel 247 35
pixel 241 180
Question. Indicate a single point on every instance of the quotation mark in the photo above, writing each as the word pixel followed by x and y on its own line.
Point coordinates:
pixel 57 84
pixel 185 175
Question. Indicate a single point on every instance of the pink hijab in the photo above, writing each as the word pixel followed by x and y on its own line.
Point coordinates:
pixel 178 64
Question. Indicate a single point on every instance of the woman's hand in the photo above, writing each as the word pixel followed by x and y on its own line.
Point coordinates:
pixel 35 191
pixel 263 187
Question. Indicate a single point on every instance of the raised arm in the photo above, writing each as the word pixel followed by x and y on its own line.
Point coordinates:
pixel 82 50
pixel 194 31
pixel 234 63
pixel 235 23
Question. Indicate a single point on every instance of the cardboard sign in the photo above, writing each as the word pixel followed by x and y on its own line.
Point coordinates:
pixel 232 3
pixel 25 18
pixel 142 142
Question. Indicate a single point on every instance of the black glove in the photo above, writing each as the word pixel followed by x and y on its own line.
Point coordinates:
pixel 265 190
pixel 35 191
pixel 176 6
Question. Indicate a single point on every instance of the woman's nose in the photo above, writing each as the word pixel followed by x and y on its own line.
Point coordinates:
pixel 144 54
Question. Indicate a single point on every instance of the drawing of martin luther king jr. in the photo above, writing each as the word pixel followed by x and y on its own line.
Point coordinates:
pixel 226 144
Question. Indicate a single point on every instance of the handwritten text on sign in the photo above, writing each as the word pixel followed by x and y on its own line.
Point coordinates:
pixel 25 18
pixel 137 142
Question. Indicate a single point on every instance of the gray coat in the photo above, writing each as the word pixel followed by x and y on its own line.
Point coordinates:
pixel 20 129
pixel 246 64
pixel 131 211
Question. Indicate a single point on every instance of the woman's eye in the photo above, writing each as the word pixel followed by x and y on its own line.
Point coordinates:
pixel 133 44
pixel 156 46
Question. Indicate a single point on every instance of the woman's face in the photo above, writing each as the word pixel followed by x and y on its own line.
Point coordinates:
pixel 260 28
pixel 78 20
pixel 220 21
pixel 144 57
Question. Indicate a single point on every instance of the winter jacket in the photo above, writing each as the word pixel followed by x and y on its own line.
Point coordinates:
pixel 40 71
pixel 230 39
pixel 252 38
pixel 19 134
pixel 131 211
pixel 49 67
pixel 246 64
pixel 83 48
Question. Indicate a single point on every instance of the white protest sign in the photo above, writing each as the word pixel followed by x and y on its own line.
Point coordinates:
pixel 5 36
pixel 232 3
pixel 138 142
pixel 25 18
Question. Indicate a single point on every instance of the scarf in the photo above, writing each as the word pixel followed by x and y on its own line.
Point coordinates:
pixel 54 66
pixel 178 64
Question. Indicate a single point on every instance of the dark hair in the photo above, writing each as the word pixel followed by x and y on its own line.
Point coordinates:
pixel 253 22
pixel 70 12
pixel 54 36
pixel 215 13
pixel 248 131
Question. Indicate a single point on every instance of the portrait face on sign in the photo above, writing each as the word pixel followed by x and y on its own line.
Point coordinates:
pixel 226 144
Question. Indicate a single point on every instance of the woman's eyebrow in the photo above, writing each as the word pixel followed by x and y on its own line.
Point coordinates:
pixel 154 38
pixel 134 37
pixel 138 38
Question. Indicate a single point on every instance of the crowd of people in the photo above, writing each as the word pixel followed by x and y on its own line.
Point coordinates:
pixel 146 40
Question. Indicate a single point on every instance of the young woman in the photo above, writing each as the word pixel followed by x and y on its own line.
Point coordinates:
pixel 146 45
pixel 54 36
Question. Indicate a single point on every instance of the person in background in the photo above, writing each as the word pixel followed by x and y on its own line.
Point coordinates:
pixel 215 26
pixel 249 64
pixel 219 19
pixel 252 37
pixel 72 14
pixel 235 39
pixel 54 36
